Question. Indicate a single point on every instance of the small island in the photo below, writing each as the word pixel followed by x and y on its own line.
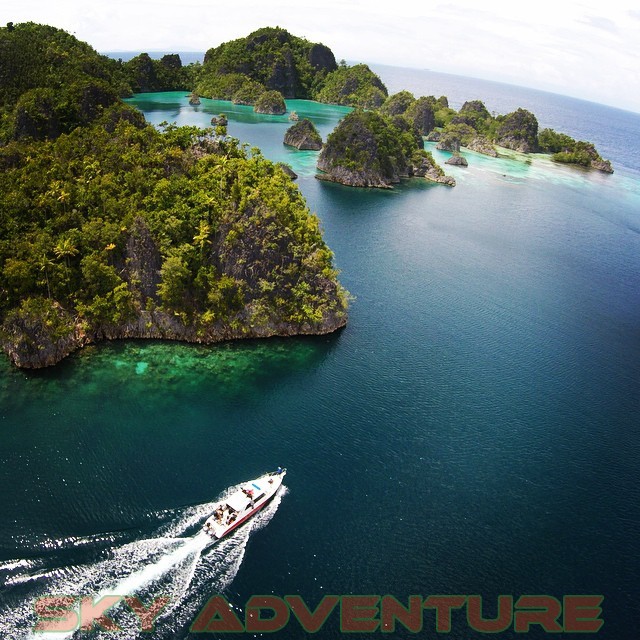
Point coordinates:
pixel 565 149
pixel 271 103
pixel 272 59
pixel 355 86
pixel 303 136
pixel 368 149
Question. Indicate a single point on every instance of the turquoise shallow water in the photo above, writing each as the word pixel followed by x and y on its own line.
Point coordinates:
pixel 472 430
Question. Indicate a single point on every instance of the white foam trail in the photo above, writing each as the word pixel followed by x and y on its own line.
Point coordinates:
pixel 135 582
pixel 15 564
pixel 182 568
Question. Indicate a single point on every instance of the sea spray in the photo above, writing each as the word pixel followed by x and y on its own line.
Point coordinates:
pixel 186 570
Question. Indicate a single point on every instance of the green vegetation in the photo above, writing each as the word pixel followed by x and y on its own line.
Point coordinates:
pixel 397 104
pixel 270 102
pixel 273 58
pixel 221 87
pixel 456 135
pixel 303 135
pixel 471 124
pixel 129 220
pixel 368 141
pixel 167 74
pixel 517 130
pixel 368 149
pixel 241 89
pixel 551 141
pixel 422 115
pixel 112 228
pixel 567 150
pixel 474 114
pixel 355 86
pixel 248 93
pixel 51 83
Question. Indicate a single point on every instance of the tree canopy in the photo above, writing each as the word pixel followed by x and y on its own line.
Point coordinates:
pixel 110 227
pixel 272 57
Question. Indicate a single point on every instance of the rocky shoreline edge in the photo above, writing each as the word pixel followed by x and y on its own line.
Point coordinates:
pixel 30 347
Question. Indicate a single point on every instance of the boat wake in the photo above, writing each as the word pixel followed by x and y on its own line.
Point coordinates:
pixel 186 569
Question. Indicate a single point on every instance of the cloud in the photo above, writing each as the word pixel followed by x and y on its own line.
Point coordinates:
pixel 601 23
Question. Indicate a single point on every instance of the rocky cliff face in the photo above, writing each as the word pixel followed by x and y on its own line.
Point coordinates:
pixel 518 131
pixel 142 261
pixel 351 178
pixel 426 167
pixel 356 154
pixel 44 333
pixel 422 116
pixel 473 113
pixel 481 144
pixel 273 57
pixel 602 165
pixel 41 335
pixel 369 150
pixel 457 161
pixel 304 136
pixel 448 143
pixel 284 76
pixel 30 347
pixel 321 58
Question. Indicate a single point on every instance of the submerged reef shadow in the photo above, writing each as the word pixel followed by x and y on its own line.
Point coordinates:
pixel 155 367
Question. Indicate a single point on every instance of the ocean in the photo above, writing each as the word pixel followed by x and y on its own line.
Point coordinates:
pixel 473 429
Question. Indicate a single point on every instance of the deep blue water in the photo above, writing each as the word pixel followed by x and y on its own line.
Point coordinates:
pixel 473 430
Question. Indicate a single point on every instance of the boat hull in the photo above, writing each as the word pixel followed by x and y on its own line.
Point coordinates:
pixel 241 505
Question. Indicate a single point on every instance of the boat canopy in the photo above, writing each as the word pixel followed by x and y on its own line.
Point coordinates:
pixel 238 501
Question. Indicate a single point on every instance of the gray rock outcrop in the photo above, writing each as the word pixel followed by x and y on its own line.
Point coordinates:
pixel 481 144
pixel 457 161
pixel 304 136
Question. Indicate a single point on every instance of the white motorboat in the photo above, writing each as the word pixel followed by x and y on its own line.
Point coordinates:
pixel 240 505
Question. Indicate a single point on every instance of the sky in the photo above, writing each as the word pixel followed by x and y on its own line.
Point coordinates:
pixel 583 48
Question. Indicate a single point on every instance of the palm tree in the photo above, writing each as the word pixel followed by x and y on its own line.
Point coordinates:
pixel 44 264
pixel 65 249
pixel 201 239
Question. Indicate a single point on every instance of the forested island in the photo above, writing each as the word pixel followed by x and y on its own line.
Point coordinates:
pixel 304 136
pixel 111 228
pixel 368 149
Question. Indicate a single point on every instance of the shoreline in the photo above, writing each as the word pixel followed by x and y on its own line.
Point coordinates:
pixel 156 326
